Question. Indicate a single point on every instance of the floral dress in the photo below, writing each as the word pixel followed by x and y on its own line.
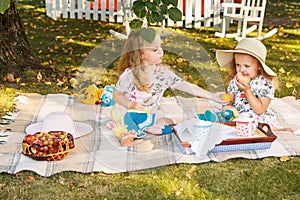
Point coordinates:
pixel 261 87
pixel 162 79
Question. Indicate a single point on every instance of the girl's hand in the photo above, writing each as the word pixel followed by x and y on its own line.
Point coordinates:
pixel 227 97
pixel 217 97
pixel 227 107
pixel 137 106
pixel 242 86
pixel 242 81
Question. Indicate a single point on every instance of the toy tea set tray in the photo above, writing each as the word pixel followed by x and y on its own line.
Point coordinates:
pixel 261 140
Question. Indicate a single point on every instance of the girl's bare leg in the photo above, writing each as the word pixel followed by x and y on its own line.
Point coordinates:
pixel 159 125
pixel 288 129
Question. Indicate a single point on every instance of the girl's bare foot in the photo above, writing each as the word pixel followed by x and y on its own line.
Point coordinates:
pixel 127 138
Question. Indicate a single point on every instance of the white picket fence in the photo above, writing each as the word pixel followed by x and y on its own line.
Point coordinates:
pixel 195 12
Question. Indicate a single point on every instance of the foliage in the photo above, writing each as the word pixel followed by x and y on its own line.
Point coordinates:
pixel 155 11
pixel 4 5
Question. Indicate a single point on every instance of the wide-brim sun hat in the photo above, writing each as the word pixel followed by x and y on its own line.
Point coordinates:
pixel 250 46
pixel 60 121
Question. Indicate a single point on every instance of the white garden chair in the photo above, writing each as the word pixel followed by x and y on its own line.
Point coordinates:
pixel 244 12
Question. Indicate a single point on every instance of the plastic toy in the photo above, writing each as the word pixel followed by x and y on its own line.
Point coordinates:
pixel 90 94
pixel 107 96
pixel 223 116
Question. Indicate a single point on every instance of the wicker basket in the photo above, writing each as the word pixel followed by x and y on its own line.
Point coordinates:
pixel 56 151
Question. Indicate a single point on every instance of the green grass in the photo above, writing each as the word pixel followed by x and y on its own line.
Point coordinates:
pixel 63 45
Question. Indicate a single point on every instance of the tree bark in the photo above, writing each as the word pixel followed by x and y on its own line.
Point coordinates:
pixel 16 53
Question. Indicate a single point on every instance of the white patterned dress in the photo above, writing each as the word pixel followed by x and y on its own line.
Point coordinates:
pixel 162 79
pixel 261 87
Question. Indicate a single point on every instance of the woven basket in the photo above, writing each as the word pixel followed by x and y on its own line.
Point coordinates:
pixel 56 152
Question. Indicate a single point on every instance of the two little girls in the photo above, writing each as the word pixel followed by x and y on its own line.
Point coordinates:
pixel 144 80
pixel 141 86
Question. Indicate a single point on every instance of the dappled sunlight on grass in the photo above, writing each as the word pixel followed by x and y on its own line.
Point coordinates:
pixel 25 6
pixel 6 99
pixel 42 10
pixel 293 47
pixel 292 31
pixel 82 43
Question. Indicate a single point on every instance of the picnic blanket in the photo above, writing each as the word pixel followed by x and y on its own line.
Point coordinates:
pixel 100 150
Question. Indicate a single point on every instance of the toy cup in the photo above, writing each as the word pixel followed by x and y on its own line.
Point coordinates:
pixel 245 126
pixel 201 129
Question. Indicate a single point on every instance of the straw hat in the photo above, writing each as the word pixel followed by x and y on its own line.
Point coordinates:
pixel 250 46
pixel 60 121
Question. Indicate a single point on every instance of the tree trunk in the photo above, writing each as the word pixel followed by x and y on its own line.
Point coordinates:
pixel 15 50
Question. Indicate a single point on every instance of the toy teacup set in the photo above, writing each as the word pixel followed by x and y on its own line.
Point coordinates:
pixel 237 132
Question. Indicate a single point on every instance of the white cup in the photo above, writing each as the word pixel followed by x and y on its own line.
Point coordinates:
pixel 245 126
pixel 201 129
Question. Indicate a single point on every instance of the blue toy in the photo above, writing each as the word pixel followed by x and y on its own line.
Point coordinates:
pixel 224 116
pixel 107 96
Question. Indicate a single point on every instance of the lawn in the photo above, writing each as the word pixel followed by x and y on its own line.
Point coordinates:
pixel 65 43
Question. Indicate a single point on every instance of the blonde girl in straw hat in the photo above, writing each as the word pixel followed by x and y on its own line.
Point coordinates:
pixel 253 83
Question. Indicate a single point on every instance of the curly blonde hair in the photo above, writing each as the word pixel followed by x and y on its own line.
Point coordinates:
pixel 131 58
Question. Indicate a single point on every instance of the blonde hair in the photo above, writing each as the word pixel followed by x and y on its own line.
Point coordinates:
pixel 262 72
pixel 131 58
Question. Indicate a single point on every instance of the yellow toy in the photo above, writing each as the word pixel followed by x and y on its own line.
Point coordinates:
pixel 90 95
pixel 117 117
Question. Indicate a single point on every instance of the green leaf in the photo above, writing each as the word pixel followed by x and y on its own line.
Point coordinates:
pixel 148 34
pixel 136 24
pixel 143 14
pixel 150 5
pixel 139 8
pixel 174 2
pixel 163 10
pixel 4 5
pixel 165 2
pixel 150 18
pixel 175 14
pixel 157 17
pixel 157 2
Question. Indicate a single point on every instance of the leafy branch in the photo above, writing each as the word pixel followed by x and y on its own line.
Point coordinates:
pixel 154 11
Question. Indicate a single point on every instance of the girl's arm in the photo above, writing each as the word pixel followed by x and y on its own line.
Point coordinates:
pixel 197 91
pixel 120 98
pixel 258 105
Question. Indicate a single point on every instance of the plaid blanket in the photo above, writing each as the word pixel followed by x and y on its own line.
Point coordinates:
pixel 100 150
